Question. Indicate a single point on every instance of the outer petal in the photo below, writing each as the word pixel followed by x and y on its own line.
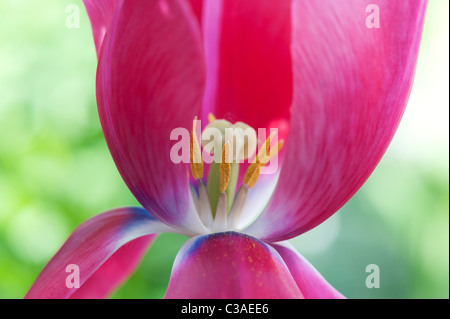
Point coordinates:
pixel 150 81
pixel 100 13
pixel 351 85
pixel 116 270
pixel 230 265
pixel 247 47
pixel 309 280
pixel 97 248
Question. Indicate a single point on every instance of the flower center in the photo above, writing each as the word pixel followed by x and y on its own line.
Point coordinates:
pixel 228 145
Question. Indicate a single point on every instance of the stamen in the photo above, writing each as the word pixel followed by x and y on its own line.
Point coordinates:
pixel 195 154
pixel 217 203
pixel 272 154
pixel 220 221
pixel 204 208
pixel 225 167
pixel 262 158
pixel 252 174
pixel 211 118
pixel 264 150
pixel 238 206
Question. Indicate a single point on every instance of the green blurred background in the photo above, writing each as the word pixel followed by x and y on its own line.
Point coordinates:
pixel 56 171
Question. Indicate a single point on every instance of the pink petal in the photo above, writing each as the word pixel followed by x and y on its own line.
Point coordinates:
pixel 309 280
pixel 351 86
pixel 98 248
pixel 150 81
pixel 197 8
pixel 100 13
pixel 247 48
pixel 229 265
pixel 117 269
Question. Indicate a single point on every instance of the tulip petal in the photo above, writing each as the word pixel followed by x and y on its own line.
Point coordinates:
pixel 97 249
pixel 309 280
pixel 247 48
pixel 100 13
pixel 197 8
pixel 351 85
pixel 115 270
pixel 150 81
pixel 257 199
pixel 229 265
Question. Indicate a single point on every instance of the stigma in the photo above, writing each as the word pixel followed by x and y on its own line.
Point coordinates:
pixel 228 147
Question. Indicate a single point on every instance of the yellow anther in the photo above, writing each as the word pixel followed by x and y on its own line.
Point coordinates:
pixel 273 152
pixel 262 158
pixel 264 150
pixel 252 174
pixel 195 154
pixel 225 167
pixel 211 118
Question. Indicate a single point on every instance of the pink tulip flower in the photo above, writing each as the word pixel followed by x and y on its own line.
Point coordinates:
pixel 332 76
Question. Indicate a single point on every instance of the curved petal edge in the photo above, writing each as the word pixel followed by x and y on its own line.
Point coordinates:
pixel 100 14
pixel 230 265
pixel 150 82
pixel 351 87
pixel 310 282
pixel 100 253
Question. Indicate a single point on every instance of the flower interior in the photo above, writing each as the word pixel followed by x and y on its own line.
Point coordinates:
pixel 217 203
